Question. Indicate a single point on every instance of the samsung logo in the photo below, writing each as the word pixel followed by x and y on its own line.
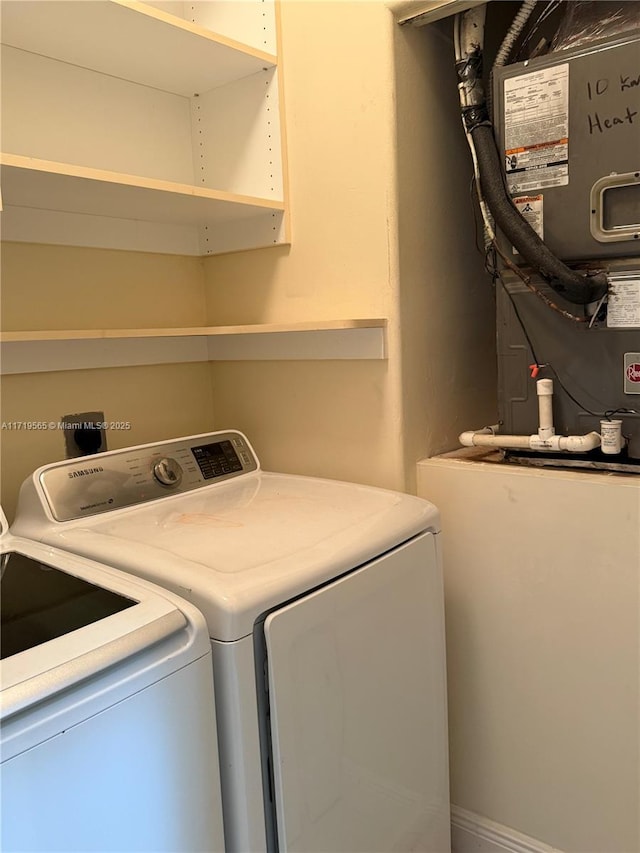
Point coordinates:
pixel 83 472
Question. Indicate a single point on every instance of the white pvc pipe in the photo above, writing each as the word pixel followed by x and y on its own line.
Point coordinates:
pixel 569 443
pixel 546 439
pixel 544 388
pixel 481 439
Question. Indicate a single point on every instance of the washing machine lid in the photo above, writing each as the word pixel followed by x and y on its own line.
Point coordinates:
pixel 238 549
pixel 40 602
pixel 67 622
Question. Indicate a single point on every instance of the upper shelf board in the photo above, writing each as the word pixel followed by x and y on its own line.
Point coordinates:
pixel 42 184
pixel 132 41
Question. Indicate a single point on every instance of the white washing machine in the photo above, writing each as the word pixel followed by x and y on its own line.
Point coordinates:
pixel 324 603
pixel 106 707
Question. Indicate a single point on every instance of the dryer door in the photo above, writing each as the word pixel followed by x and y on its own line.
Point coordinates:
pixel 358 711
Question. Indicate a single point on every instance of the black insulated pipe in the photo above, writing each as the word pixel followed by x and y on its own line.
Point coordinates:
pixel 572 286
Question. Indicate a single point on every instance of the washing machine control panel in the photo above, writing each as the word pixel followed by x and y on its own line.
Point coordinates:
pixel 78 488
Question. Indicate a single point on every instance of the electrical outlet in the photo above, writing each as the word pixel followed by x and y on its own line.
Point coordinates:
pixel 84 434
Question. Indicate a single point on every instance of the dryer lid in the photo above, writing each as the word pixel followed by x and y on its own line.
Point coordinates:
pixel 240 549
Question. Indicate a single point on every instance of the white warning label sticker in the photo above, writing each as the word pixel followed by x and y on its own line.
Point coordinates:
pixel 531 209
pixel 623 304
pixel 536 129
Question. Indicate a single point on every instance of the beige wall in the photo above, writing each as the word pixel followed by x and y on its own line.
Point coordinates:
pixel 59 287
pixel 542 573
pixel 375 157
pixel 54 287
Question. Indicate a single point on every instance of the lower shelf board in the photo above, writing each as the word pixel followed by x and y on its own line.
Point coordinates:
pixel 38 352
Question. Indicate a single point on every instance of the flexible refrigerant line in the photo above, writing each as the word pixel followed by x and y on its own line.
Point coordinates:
pixel 514 32
pixel 475 93
pixel 517 25
pixel 574 287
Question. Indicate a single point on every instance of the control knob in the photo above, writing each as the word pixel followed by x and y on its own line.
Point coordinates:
pixel 168 472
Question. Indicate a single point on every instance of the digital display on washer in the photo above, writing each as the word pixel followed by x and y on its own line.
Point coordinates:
pixel 216 460
pixel 39 603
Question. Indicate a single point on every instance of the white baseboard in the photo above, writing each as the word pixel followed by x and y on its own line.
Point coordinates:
pixel 472 833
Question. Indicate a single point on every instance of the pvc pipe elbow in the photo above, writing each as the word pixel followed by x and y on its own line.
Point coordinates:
pixel 579 443
pixel 466 439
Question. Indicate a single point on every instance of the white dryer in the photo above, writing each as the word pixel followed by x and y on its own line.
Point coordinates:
pixel 324 603
pixel 106 709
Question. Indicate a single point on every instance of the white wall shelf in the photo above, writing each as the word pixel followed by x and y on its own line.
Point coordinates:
pixel 130 40
pixel 45 186
pixel 126 126
pixel 49 351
